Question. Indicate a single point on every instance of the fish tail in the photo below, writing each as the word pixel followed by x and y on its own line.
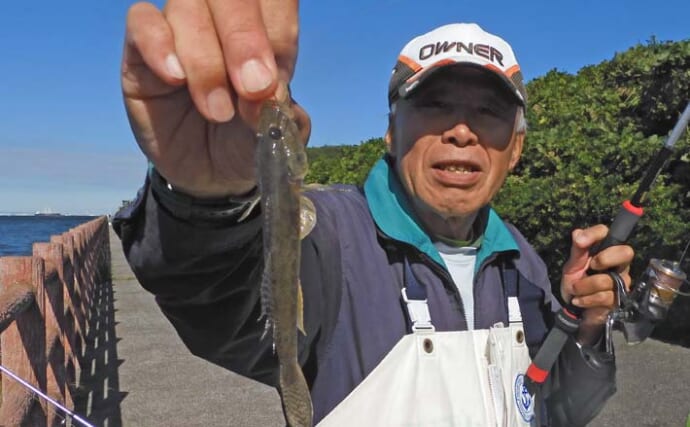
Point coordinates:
pixel 295 395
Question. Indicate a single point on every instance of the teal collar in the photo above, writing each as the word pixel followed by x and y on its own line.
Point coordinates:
pixel 393 214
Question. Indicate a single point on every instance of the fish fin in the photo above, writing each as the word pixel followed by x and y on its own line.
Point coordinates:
pixel 307 216
pixel 267 327
pixel 314 187
pixel 266 296
pixel 300 309
pixel 249 209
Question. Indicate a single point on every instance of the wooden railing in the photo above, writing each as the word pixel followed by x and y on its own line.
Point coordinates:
pixel 45 316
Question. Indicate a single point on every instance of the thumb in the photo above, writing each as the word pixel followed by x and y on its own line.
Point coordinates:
pixel 577 264
pixel 579 253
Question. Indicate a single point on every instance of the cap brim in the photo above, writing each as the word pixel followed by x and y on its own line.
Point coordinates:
pixel 418 79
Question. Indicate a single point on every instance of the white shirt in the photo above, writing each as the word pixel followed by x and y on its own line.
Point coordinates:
pixel 460 262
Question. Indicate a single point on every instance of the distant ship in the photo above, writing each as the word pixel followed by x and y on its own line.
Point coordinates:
pixel 47 213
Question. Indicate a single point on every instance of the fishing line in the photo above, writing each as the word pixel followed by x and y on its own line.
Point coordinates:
pixel 74 416
pixel 682 256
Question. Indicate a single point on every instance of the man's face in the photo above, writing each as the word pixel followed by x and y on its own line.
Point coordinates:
pixel 453 141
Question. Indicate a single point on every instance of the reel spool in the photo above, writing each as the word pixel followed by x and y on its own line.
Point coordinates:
pixel 650 299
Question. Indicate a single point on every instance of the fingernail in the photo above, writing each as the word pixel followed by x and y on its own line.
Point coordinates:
pixel 255 76
pixel 174 66
pixel 576 301
pixel 220 105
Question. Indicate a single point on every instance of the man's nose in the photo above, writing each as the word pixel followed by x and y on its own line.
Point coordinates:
pixel 460 134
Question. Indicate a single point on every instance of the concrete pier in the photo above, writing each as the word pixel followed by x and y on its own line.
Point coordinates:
pixel 138 372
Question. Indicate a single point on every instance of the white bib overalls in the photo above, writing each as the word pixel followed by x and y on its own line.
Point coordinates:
pixel 429 378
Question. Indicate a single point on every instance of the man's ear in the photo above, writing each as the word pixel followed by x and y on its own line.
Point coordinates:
pixel 388 139
pixel 390 131
pixel 516 151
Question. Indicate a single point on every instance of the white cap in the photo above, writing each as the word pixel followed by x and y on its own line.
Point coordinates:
pixel 455 44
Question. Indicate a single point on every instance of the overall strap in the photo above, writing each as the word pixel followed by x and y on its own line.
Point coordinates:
pixel 414 297
pixel 510 289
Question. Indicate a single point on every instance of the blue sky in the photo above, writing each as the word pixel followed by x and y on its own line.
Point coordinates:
pixel 65 144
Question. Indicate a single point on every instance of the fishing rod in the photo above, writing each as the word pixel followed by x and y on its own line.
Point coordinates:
pixel 53 402
pixel 685 251
pixel 568 319
pixel 632 210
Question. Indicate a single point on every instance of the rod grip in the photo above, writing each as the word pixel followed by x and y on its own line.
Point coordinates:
pixel 619 232
pixel 621 228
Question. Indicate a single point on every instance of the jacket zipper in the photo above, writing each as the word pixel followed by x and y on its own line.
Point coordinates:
pixel 444 275
pixel 447 280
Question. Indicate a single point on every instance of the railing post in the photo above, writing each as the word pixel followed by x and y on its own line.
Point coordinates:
pixel 23 349
pixel 73 304
pixel 48 282
pixel 46 316
pixel 69 328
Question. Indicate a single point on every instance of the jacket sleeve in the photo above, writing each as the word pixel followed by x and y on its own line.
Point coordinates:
pixel 206 281
pixel 580 382
pixel 583 379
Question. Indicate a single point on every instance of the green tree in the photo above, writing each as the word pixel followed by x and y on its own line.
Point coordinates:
pixel 344 164
pixel 591 138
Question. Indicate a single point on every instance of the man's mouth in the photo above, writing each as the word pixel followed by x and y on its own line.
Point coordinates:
pixel 457 169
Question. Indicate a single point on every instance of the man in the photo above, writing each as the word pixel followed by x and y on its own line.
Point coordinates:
pixel 422 306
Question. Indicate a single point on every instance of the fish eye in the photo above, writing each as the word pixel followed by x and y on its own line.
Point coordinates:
pixel 275 133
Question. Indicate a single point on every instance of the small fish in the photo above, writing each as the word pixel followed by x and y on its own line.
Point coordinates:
pixel 288 216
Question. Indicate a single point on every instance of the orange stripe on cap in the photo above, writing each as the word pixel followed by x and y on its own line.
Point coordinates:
pixel 443 62
pixel 428 68
pixel 509 72
pixel 493 68
pixel 512 70
pixel 410 63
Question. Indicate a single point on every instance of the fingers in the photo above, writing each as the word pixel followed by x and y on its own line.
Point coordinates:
pixel 616 257
pixel 260 48
pixel 578 263
pixel 201 55
pixel 583 240
pixel 228 52
pixel 282 24
pixel 149 63
pixel 248 54
pixel 593 291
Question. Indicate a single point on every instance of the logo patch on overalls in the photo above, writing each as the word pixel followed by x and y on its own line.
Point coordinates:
pixel 523 400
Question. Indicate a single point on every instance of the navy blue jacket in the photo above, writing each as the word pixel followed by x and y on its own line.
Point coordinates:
pixel 206 281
